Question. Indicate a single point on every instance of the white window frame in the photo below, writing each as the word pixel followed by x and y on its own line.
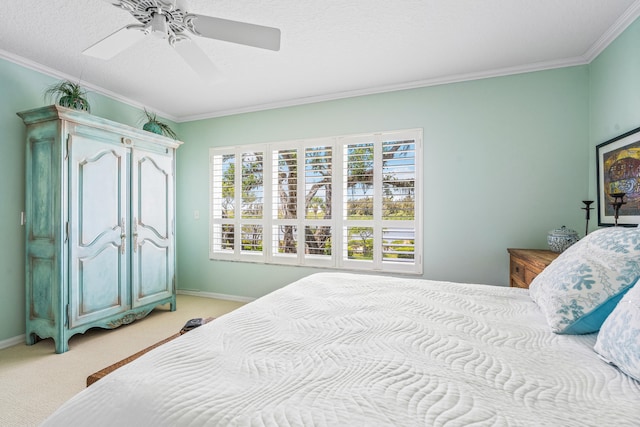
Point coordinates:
pixel 338 222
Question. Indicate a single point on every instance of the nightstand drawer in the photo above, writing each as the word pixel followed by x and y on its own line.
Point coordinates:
pixel 517 269
pixel 529 275
pixel 526 264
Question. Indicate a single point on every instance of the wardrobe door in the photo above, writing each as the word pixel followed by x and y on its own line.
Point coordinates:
pixel 152 221
pixel 97 230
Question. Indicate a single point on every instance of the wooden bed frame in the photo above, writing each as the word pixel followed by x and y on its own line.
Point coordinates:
pixel 103 372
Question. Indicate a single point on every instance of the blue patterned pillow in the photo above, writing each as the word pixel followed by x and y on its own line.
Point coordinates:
pixel 581 287
pixel 619 338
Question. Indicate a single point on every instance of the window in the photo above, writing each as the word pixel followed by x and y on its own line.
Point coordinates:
pixel 350 202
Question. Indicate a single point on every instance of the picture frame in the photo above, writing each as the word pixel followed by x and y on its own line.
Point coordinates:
pixel 618 169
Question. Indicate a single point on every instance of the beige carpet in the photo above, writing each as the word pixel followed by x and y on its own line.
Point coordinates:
pixel 35 381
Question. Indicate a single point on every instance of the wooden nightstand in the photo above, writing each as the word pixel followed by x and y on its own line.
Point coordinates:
pixel 526 264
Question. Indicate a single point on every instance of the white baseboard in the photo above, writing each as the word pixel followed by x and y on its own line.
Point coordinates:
pixel 12 341
pixel 215 295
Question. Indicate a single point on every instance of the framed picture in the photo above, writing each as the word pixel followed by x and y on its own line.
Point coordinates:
pixel 618 168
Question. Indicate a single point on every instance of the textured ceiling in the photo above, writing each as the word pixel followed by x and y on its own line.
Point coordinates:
pixel 329 49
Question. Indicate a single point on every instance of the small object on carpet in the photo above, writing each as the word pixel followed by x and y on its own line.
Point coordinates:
pixel 192 324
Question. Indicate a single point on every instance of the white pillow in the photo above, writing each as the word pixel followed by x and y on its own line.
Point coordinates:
pixel 581 287
pixel 619 338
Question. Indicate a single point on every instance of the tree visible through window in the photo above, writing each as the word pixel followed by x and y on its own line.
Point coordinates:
pixel 344 202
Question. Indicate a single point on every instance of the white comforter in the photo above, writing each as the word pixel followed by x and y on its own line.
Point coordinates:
pixel 338 349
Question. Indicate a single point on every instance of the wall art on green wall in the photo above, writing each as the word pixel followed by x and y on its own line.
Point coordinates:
pixel 618 168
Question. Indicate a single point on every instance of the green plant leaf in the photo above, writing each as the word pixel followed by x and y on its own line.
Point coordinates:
pixel 68 94
pixel 152 123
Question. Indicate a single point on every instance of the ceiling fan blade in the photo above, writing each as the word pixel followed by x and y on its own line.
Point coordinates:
pixel 115 43
pixel 197 59
pixel 234 31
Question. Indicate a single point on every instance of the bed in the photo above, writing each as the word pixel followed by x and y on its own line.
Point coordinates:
pixel 341 349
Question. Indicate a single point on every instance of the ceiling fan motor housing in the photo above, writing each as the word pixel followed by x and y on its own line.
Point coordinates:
pixel 168 19
pixel 145 10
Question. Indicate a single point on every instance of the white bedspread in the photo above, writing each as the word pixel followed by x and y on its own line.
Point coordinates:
pixel 339 349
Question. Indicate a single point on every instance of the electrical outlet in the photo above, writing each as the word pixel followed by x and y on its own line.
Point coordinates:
pixel 196 214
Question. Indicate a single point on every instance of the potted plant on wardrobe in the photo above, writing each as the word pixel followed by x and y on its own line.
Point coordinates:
pixel 154 125
pixel 68 94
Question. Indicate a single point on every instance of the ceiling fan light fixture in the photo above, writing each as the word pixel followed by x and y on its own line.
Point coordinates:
pixel 170 21
pixel 159 26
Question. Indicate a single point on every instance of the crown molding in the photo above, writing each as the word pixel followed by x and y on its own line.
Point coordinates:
pixel 35 66
pixel 438 81
pixel 621 24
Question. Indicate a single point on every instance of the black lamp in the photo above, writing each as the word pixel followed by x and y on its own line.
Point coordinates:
pixel 587 208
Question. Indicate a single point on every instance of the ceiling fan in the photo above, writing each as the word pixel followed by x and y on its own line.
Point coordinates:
pixel 168 19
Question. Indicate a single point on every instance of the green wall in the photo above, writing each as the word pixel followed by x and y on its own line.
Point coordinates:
pixel 614 89
pixel 506 160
